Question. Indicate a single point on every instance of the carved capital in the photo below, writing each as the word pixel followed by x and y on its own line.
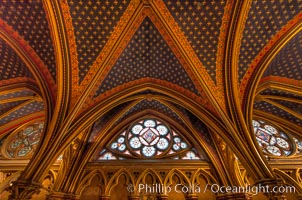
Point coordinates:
pixel 23 189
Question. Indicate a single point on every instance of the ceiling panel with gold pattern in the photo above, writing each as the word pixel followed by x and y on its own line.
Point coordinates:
pixel 201 22
pixel 93 22
pixel 29 20
pixel 288 62
pixel 27 109
pixel 152 105
pixel 147 56
pixel 274 110
pixel 11 65
pixel 265 19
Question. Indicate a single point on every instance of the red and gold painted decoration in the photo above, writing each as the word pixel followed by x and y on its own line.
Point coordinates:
pixel 92 70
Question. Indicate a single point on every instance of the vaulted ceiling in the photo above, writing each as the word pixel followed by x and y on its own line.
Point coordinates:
pixel 210 66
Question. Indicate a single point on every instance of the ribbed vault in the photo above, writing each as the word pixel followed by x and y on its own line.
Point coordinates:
pixel 88 69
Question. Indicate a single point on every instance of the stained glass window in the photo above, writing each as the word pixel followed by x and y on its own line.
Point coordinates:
pixel 148 138
pixel 24 141
pixel 275 142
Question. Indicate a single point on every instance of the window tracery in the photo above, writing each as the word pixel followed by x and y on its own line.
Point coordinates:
pixel 148 138
pixel 24 141
pixel 275 142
